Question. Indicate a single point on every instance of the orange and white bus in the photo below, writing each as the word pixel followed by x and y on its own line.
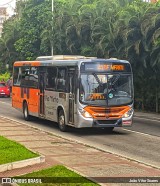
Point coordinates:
pixel 75 91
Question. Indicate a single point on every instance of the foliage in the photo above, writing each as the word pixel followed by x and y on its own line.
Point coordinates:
pixel 126 29
pixel 5 76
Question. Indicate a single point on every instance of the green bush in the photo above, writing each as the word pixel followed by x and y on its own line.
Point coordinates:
pixel 5 76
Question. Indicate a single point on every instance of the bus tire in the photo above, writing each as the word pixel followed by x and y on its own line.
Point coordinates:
pixel 26 115
pixel 61 121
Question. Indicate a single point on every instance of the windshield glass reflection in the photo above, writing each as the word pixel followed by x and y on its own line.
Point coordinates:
pixel 106 89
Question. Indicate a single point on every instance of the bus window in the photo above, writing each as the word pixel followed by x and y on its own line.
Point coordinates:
pixel 17 76
pixel 61 80
pixel 25 76
pixel 29 77
pixel 103 89
pixel 33 77
pixel 51 78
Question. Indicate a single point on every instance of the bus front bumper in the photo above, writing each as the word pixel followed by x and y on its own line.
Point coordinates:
pixel 112 123
pixel 90 122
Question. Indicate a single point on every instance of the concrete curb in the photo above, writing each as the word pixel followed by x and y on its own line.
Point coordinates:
pixel 22 163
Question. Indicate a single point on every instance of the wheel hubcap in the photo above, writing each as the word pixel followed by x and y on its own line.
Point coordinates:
pixel 61 121
pixel 25 112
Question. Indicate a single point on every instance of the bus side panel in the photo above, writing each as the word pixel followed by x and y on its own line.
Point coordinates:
pixel 32 96
pixel 51 104
pixel 16 98
pixel 53 100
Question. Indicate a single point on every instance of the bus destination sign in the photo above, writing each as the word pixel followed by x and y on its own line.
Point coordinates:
pixel 103 67
pixel 110 67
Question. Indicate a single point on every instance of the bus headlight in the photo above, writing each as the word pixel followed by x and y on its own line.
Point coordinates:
pixel 85 113
pixel 128 113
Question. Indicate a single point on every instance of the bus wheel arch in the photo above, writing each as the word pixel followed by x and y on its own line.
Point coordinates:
pixel 61 119
pixel 25 111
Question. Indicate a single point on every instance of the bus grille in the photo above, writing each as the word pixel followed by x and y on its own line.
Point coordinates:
pixel 101 113
pixel 106 121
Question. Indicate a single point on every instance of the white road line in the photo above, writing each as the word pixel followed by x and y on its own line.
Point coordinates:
pixel 141 133
pixel 150 119
pixel 5 103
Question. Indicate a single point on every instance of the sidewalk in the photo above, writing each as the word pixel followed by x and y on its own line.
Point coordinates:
pixel 84 160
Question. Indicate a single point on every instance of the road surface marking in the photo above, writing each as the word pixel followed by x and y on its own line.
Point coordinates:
pixel 147 119
pixel 141 133
pixel 5 103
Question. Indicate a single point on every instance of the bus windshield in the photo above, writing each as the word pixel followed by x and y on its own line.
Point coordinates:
pixel 106 89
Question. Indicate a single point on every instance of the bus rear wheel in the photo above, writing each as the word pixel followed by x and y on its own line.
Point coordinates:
pixel 61 121
pixel 25 112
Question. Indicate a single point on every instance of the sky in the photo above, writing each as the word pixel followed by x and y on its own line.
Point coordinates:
pixel 8 3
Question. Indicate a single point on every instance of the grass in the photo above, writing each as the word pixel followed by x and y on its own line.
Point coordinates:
pixel 11 151
pixel 57 175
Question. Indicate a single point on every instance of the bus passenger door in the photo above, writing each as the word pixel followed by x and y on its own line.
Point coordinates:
pixel 71 97
pixel 41 93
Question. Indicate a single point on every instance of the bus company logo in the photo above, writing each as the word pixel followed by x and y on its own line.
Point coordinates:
pixel 6 180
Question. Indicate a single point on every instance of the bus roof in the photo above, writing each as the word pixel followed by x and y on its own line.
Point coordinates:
pixel 62 57
pixel 63 60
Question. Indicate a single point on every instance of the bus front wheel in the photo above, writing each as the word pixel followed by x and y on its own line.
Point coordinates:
pixel 61 121
pixel 25 112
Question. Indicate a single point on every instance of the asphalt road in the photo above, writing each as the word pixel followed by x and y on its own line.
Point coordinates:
pixel 139 142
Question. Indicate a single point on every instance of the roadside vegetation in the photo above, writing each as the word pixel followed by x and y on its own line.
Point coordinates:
pixel 57 175
pixel 126 29
pixel 5 76
pixel 11 151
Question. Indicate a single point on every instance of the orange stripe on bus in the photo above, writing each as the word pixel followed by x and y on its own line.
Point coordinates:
pixel 27 63
pixel 104 112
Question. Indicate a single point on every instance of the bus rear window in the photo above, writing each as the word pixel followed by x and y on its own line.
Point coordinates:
pixel 25 76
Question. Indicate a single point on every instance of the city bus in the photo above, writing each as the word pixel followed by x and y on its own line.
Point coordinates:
pixel 75 91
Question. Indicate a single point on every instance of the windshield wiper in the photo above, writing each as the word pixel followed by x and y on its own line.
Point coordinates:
pixel 97 79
